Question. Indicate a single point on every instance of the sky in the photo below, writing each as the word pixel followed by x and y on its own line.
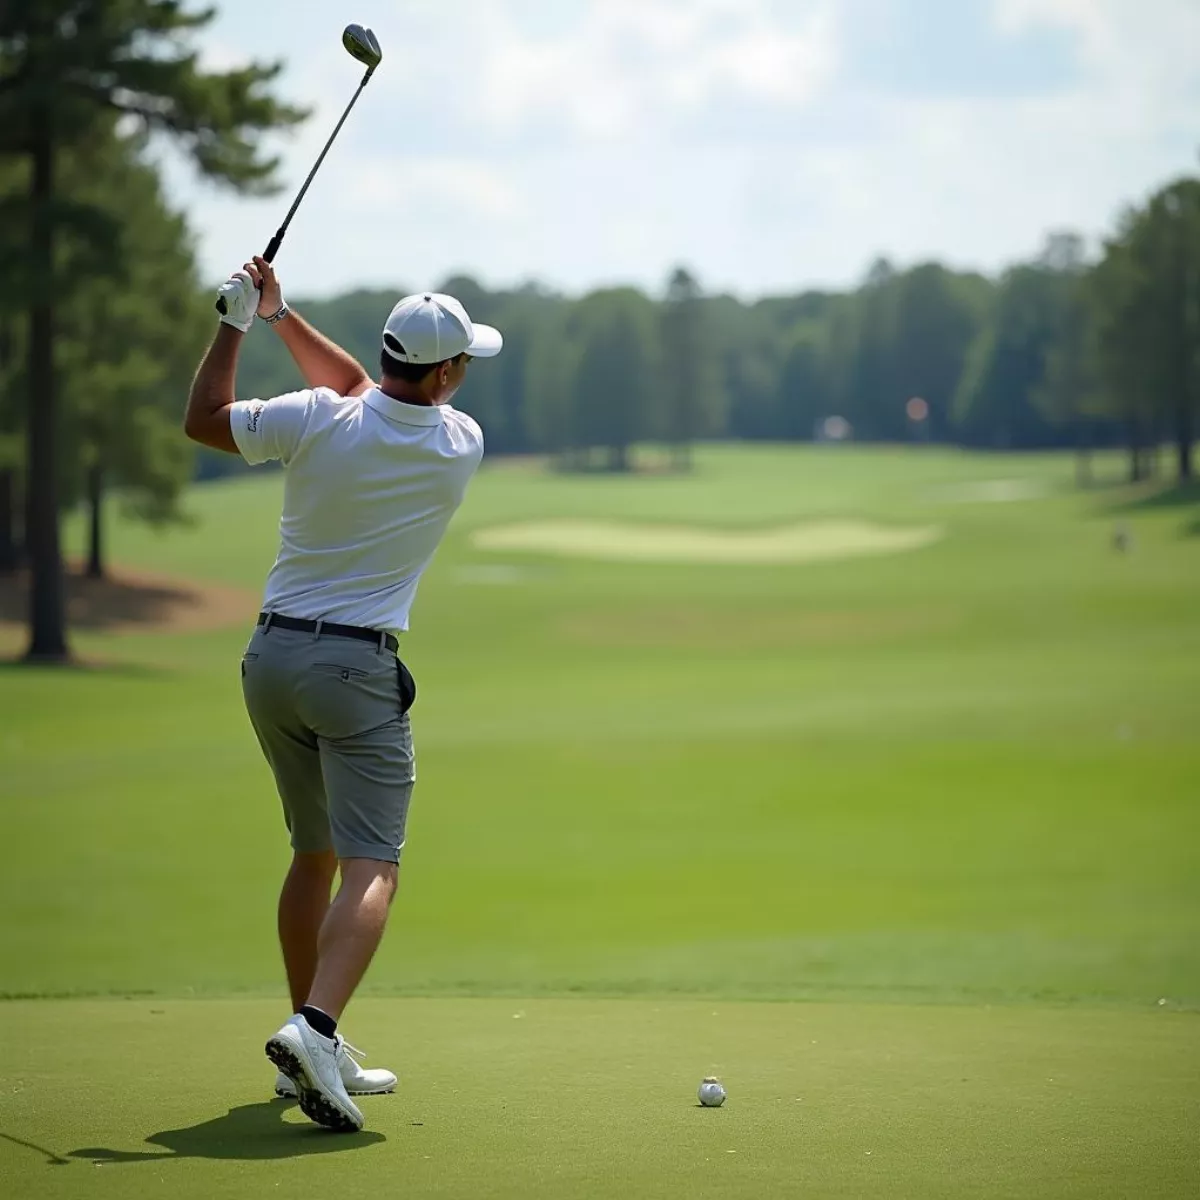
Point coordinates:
pixel 768 145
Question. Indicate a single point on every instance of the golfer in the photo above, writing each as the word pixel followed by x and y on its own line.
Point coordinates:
pixel 374 473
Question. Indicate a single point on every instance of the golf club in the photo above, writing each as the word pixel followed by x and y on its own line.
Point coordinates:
pixel 363 45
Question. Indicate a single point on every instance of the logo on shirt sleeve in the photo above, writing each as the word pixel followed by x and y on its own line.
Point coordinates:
pixel 253 414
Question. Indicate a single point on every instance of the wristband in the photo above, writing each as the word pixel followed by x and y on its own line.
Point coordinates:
pixel 275 318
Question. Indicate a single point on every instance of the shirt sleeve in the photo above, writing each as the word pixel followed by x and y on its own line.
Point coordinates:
pixel 271 430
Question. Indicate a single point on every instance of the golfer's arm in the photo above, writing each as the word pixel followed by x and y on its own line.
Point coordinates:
pixel 212 394
pixel 322 363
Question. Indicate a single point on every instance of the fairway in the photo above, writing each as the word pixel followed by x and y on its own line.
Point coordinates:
pixel 905 846
pixel 574 1098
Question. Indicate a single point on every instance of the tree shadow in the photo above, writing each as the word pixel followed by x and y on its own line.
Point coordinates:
pixel 133 601
pixel 128 670
pixel 251 1132
pixel 1161 496
pixel 100 604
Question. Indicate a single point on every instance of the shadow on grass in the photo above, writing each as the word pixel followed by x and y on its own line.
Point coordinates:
pixel 101 604
pixel 253 1131
pixel 52 1159
pixel 1162 498
pixel 90 666
pixel 1154 496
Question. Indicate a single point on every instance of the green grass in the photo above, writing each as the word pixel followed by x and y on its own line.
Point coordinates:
pixel 587 1098
pixel 949 794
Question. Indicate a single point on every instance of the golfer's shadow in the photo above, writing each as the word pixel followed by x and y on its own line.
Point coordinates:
pixel 253 1131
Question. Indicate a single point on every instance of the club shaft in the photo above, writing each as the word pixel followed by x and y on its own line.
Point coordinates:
pixel 317 165
pixel 277 240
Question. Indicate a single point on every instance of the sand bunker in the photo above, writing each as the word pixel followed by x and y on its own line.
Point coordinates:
pixel 996 491
pixel 614 541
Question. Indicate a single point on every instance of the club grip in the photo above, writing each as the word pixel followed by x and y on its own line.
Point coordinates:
pixel 269 254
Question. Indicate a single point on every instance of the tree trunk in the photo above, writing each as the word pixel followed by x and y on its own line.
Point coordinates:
pixel 1184 434
pixel 95 490
pixel 1185 405
pixel 1134 446
pixel 47 609
pixel 1083 454
pixel 10 547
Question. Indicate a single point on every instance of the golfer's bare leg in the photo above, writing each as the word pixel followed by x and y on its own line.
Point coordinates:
pixel 303 904
pixel 351 932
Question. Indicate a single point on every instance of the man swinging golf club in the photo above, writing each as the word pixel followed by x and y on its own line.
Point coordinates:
pixel 374 473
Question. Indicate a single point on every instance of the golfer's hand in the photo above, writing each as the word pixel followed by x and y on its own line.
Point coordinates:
pixel 270 292
pixel 241 299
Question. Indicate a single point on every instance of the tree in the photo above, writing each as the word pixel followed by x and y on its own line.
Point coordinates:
pixel 497 395
pixel 128 350
pixel 1164 241
pixel 11 551
pixel 12 183
pixel 902 335
pixel 65 64
pixel 804 384
pixel 750 350
pixel 547 408
pixel 1146 296
pixel 1129 388
pixel 872 399
pixel 995 402
pixel 615 384
pixel 1068 393
pixel 937 317
pixel 125 351
pixel 691 397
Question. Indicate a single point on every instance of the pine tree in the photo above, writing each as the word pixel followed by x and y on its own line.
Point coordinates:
pixel 64 66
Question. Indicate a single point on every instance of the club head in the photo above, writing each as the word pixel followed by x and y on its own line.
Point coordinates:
pixel 363 45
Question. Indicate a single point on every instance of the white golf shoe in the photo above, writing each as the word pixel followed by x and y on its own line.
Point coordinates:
pixel 310 1061
pixel 359 1082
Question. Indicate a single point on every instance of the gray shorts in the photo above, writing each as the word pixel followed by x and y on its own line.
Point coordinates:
pixel 333 723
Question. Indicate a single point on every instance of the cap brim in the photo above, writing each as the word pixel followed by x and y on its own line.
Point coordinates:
pixel 486 343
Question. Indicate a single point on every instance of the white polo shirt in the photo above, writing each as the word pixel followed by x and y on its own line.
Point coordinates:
pixel 371 485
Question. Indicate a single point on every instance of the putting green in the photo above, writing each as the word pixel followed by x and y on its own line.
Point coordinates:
pixel 558 1099
pixel 615 541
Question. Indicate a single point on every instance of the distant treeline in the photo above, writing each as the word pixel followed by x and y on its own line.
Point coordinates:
pixel 1061 351
pixel 1064 350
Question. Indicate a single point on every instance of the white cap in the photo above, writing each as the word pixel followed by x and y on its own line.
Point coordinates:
pixel 430 328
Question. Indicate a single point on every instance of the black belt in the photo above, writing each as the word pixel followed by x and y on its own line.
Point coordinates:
pixel 267 620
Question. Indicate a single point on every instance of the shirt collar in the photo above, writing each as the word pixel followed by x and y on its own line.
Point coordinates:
pixel 398 410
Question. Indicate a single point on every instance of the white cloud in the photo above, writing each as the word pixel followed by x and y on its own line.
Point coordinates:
pixel 589 141
pixel 627 66
pixel 1142 57
pixel 385 189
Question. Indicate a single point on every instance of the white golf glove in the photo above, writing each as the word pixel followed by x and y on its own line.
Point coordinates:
pixel 241 301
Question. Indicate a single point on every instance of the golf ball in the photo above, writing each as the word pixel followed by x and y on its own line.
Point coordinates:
pixel 712 1092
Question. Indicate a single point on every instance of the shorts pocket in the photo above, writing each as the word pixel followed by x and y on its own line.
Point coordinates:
pixel 344 673
pixel 407 687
